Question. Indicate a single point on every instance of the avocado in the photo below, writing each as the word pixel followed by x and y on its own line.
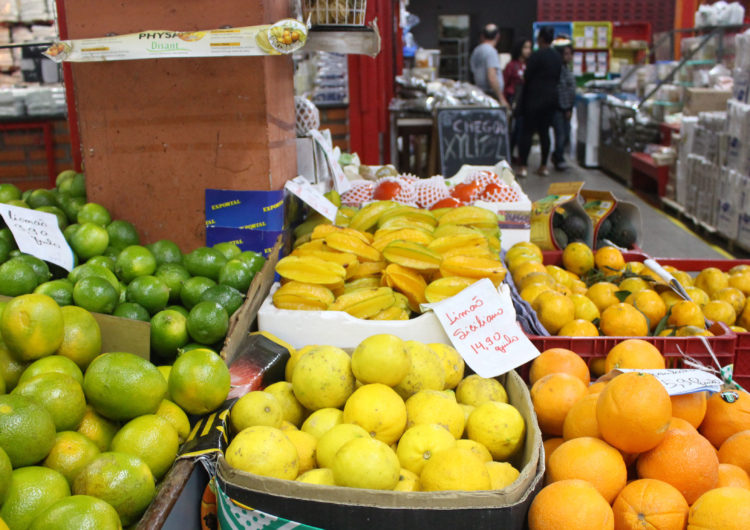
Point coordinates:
pixel 560 237
pixel 624 235
pixel 605 229
pixel 575 227
pixel 557 220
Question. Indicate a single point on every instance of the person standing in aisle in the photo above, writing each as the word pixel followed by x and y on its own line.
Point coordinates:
pixel 539 100
pixel 513 80
pixel 566 99
pixel 485 64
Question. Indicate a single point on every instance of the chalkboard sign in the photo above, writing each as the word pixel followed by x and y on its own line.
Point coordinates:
pixel 476 136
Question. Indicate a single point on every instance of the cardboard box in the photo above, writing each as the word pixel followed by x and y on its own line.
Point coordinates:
pixel 599 205
pixel 336 508
pixel 727 211
pixel 560 195
pixel 705 99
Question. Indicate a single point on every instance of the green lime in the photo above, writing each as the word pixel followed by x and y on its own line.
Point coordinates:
pixel 61 291
pixel 82 341
pixel 41 197
pixel 64 176
pixel 168 333
pixel 95 294
pixel 27 431
pixel 71 206
pixel 10 368
pixel 132 311
pixel 122 234
pixel 7 236
pixel 20 204
pixel 165 251
pixel 92 212
pixel 17 277
pixel 4 250
pixel 199 381
pixel 190 346
pixel 25 195
pixel 236 273
pixel 41 269
pixel 6 468
pixel 89 240
pixel 78 511
pixel 253 259
pixel 70 230
pixel 9 192
pixel 62 219
pixel 52 364
pixel 206 262
pixel 92 269
pixel 226 296
pixel 123 292
pixel 180 309
pixel 103 261
pixel 32 490
pixel 134 261
pixel 207 322
pixel 174 275
pixel 150 292
pixel 75 187
pixel 191 291
pixel 112 252
pixel 60 394
pixel 230 250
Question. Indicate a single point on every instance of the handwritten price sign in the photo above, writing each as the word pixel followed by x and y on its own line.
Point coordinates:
pixel 481 324
pixel 687 381
pixel 38 234
pixel 317 201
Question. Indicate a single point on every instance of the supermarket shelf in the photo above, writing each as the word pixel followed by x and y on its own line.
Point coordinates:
pixel 355 40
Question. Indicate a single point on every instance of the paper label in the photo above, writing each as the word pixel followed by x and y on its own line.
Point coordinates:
pixel 37 233
pixel 481 324
pixel 283 37
pixel 688 381
pixel 340 183
pixel 301 187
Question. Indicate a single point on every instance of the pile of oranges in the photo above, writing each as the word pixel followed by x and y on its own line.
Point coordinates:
pixel 625 454
pixel 599 293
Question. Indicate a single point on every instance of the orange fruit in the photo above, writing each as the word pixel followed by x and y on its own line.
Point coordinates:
pixel 649 503
pixel 686 313
pixel 633 412
pixel 570 504
pixel 650 304
pixel 592 460
pixel 697 295
pixel 732 476
pixel 623 320
pixel 736 450
pixel 723 419
pixel 553 396
pixel 597 387
pixel 733 296
pixel 550 445
pixel 554 310
pixel 711 280
pixel 603 294
pixel 578 258
pixel 527 268
pixel 581 419
pixel 558 360
pixel 578 328
pixel 598 366
pixel 609 260
pixel 683 459
pixel 634 353
pixel 721 311
pixel 690 407
pixel 721 509
pixel 670 298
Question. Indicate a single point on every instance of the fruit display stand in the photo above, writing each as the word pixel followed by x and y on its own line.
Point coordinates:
pixel 178 500
pixel 334 508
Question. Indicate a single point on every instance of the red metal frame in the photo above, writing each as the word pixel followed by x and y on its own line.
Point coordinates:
pixel 75 135
pixel 49 141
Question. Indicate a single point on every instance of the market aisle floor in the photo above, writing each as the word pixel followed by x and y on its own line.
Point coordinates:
pixel 662 236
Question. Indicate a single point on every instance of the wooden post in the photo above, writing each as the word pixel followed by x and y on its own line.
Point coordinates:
pixel 156 133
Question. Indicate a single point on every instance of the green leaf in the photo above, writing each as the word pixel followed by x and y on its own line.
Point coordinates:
pixel 622 295
pixel 662 325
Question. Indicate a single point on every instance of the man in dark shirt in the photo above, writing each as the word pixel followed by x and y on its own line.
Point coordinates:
pixel 539 98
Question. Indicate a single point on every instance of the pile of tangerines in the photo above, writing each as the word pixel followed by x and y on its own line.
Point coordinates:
pixel 625 454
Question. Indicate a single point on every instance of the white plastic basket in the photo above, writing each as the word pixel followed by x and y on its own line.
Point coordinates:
pixel 335 12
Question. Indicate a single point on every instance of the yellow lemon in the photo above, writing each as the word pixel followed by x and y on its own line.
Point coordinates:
pixel 265 451
pixel 366 463
pixel 475 390
pixel 256 408
pixel 718 310
pixel 323 378
pixel 578 258
pixel 379 410
pixel 698 295
pixel 332 441
pixel 467 409
pixel 453 363
pixel 554 310
pixel 530 293
pixel 322 476
pixel 380 359
pixel 499 427
pixel 711 280
pixel 407 481
pixel 425 370
pixel 305 443
pixel 291 409
pixel 670 298
pixel 536 278
pixel 584 308
pixel 420 443
pixel 455 469
pixel 740 280
pixel 683 278
pixel 559 274
pixel 634 284
pixel 475 447
pixel 432 406
pixel 527 268
pixel 502 474
pixel 294 356
pixel 286 426
pixel 321 421
pixel 578 328
pixel 733 296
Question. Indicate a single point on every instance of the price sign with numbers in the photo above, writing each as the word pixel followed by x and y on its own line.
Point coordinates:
pixel 481 323
pixel 679 381
pixel 340 182
pixel 37 233
pixel 317 201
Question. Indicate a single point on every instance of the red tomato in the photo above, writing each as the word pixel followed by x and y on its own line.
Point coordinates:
pixel 466 192
pixel 448 202
pixel 386 191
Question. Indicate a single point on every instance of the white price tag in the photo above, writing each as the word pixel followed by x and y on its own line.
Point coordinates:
pixel 481 323
pixel 687 381
pixel 340 182
pixel 302 189
pixel 37 233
